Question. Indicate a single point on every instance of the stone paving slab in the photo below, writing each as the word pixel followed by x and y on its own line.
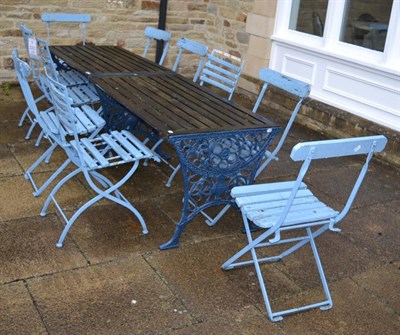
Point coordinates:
pixel 193 273
pixel 354 312
pixel 340 259
pixel 27 153
pixel 120 297
pixel 17 201
pixel 376 229
pixel 18 314
pixel 11 133
pixel 8 164
pixel 383 283
pixel 110 231
pixel 27 249
pixel 247 321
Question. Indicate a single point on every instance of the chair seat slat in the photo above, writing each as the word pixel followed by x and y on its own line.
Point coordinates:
pixel 116 147
pixel 278 203
pixel 93 116
pixel 270 197
pixel 88 147
pixel 87 124
pixel 87 159
pixel 307 216
pixel 145 150
pixel 135 151
pixel 249 190
pixel 312 204
pixel 51 121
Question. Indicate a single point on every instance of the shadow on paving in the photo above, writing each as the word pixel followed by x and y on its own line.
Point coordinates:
pixel 110 278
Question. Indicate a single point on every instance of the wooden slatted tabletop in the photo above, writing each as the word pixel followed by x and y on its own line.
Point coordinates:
pixel 104 59
pixel 165 100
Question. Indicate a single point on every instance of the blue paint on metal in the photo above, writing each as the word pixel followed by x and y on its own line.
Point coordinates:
pixel 212 164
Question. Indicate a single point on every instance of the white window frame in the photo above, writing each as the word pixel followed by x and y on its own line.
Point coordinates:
pixel 331 50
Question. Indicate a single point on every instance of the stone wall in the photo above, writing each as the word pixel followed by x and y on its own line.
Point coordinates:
pixel 218 23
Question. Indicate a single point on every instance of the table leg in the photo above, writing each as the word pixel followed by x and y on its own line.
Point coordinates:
pixel 212 164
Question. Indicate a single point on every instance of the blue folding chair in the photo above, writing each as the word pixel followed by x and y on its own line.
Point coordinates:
pixel 185 44
pixel 92 155
pixel 290 206
pixel 89 124
pixel 222 70
pixel 34 63
pixel 158 35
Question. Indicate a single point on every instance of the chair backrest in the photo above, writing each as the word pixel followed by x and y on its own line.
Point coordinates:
pixel 66 18
pixel 309 151
pixel 158 35
pixel 63 108
pixel 293 86
pixel 222 70
pixel 34 62
pixel 193 47
pixel 23 71
pixel 47 60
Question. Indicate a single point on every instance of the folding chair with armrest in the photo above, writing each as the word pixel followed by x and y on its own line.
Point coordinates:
pixel 158 35
pixel 291 206
pixel 90 156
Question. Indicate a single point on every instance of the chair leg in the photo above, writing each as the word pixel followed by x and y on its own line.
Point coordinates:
pixel 104 194
pixel 230 263
pixel 55 190
pixel 303 242
pixel 28 173
pixel 172 176
pixel 253 244
pixel 329 302
pixel 212 221
pixel 39 139
pixel 24 115
pixel 29 132
pixel 120 199
pixel 52 177
pixel 259 275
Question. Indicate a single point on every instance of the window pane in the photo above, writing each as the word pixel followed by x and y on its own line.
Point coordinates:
pixel 308 16
pixel 365 23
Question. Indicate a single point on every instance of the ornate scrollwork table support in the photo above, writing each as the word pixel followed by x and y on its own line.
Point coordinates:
pixel 212 164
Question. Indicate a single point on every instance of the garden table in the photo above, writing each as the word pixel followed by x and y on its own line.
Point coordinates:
pixel 219 144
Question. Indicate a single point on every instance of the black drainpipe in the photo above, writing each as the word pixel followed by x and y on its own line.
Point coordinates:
pixel 162 19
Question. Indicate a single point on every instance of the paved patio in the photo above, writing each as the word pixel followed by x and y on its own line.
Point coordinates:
pixel 111 279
